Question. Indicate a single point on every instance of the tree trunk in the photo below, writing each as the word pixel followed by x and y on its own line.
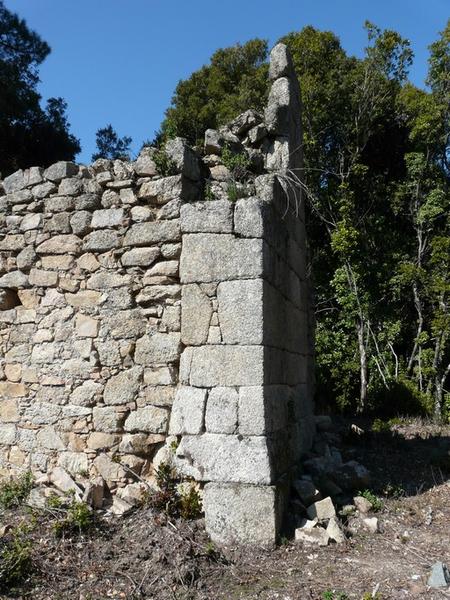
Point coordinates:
pixel 363 370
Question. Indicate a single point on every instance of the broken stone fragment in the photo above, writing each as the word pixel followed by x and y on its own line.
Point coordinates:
pixel 321 510
pixel 315 537
pixel 334 530
pixel 362 504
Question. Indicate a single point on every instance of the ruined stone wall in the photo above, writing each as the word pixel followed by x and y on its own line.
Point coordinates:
pixel 147 318
pixel 90 325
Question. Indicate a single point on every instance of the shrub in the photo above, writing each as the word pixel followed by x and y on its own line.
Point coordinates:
pixel 236 191
pixel 15 556
pixel 237 163
pixel 14 493
pixel 164 164
pixel 174 498
pixel 376 503
pixel 77 517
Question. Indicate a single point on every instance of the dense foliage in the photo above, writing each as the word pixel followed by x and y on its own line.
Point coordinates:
pixel 29 135
pixel 377 173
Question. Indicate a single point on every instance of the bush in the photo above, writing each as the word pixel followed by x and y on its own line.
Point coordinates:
pixel 15 556
pixel 237 163
pixel 164 164
pixel 77 517
pixel 14 493
pixel 376 503
pixel 176 499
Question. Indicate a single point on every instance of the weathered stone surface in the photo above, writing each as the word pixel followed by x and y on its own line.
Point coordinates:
pixel 150 419
pixel 188 410
pixel 80 222
pixel 159 348
pixel 140 257
pixel 211 217
pixel 280 62
pixel 222 410
pixel 122 388
pixel 314 537
pixel 219 457
pixel 215 257
pixel 101 240
pixel 144 166
pixel 245 121
pixel 439 576
pixel 362 504
pixel 106 419
pixel 86 326
pixel 86 394
pixel 73 462
pixel 8 434
pixel 241 311
pixel 161 191
pixel 244 514
pixel 196 314
pixel 277 113
pixel 14 280
pixel 227 366
pixel 111 217
pixel 12 390
pixel 60 244
pixel 84 298
pixel 31 221
pixel 184 158
pixel 26 258
pixel 108 469
pixel 334 530
pixel 60 170
pixel 251 216
pixel 152 232
pixel 322 509
pixel 14 182
pixel 41 278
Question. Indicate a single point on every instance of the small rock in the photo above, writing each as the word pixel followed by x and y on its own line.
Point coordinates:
pixel 306 524
pixel 94 492
pixel 317 536
pixel 371 523
pixel 120 507
pixel 323 509
pixel 64 482
pixel 334 530
pixel 362 504
pixel 439 576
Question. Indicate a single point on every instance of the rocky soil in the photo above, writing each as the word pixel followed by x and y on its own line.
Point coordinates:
pixel 147 555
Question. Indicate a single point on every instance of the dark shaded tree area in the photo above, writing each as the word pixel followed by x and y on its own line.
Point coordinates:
pixel 377 173
pixel 29 135
pixel 110 145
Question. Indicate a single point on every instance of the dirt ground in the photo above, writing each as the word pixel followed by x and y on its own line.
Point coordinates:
pixel 145 555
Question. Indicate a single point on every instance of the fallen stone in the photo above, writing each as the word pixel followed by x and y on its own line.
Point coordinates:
pixel 94 493
pixel 439 576
pixel 321 510
pixel 120 507
pixel 334 530
pixel 314 537
pixel 362 504
pixel 64 482
pixel 371 524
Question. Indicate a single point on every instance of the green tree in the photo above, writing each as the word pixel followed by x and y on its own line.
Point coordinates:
pixel 235 80
pixel 110 145
pixel 28 134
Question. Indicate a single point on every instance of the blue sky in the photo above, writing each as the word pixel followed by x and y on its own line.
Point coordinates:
pixel 118 61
